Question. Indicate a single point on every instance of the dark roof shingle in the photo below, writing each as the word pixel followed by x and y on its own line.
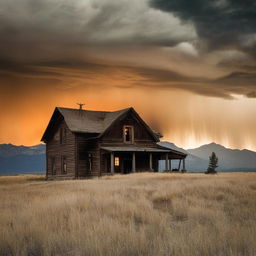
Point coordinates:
pixel 88 121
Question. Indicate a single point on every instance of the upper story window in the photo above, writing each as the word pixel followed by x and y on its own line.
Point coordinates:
pixel 63 135
pixel 128 134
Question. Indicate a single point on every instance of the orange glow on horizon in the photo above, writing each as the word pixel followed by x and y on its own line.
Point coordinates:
pixel 185 120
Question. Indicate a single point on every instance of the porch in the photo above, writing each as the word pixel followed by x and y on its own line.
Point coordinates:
pixel 130 159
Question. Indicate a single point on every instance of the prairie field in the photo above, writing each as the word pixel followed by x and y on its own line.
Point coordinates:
pixel 136 214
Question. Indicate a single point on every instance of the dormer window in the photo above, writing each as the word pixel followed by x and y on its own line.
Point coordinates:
pixel 128 134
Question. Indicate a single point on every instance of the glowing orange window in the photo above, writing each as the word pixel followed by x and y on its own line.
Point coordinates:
pixel 117 161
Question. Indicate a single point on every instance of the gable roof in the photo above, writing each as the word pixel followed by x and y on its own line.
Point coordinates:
pixel 89 121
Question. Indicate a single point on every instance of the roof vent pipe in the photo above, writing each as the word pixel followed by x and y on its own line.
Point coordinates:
pixel 80 106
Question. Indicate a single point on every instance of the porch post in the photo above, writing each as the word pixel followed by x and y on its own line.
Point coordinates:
pixel 133 163
pixel 150 162
pixel 166 162
pixel 179 164
pixel 184 168
pixel 112 162
pixel 170 164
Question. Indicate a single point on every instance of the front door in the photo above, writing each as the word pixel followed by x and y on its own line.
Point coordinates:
pixel 127 165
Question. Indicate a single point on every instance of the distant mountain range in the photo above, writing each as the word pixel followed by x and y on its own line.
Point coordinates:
pixel 22 159
pixel 229 159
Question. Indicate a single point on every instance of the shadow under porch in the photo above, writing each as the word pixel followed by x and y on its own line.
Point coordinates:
pixel 125 162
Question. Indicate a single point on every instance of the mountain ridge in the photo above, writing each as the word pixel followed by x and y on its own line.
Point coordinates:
pixel 9 149
pixel 22 159
pixel 229 159
pixel 31 159
pixel 219 145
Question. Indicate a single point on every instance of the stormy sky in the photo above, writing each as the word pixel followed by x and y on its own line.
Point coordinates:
pixel 188 67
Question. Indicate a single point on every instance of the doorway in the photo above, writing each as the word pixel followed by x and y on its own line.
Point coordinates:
pixel 127 165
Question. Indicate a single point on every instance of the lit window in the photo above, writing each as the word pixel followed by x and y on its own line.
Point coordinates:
pixel 116 161
pixel 128 133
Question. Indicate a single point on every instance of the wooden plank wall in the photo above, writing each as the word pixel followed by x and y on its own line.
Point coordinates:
pixel 85 147
pixel 114 137
pixel 115 134
pixel 78 146
pixel 57 150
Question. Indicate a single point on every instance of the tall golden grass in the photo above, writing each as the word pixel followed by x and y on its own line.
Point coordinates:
pixel 137 214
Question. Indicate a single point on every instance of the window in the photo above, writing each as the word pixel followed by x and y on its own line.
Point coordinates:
pixel 53 166
pixel 63 135
pixel 64 165
pixel 90 161
pixel 56 136
pixel 128 134
pixel 117 161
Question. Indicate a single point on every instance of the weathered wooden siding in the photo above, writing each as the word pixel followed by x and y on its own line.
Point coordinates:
pixel 115 134
pixel 56 150
pixel 78 146
pixel 114 137
pixel 85 147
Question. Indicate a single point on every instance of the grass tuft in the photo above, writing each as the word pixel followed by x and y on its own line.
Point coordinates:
pixel 137 214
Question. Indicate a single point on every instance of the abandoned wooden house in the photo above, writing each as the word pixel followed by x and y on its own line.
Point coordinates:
pixel 83 143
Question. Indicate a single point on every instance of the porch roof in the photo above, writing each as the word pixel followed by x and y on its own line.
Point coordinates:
pixel 135 149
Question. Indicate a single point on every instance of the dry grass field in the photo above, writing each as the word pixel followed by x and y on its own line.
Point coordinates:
pixel 137 214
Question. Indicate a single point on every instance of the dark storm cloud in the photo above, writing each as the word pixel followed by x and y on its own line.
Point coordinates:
pixel 221 23
pixel 236 83
pixel 40 29
pixel 60 44
pixel 11 68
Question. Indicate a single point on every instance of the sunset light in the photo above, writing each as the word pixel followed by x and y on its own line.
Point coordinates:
pixel 128 127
